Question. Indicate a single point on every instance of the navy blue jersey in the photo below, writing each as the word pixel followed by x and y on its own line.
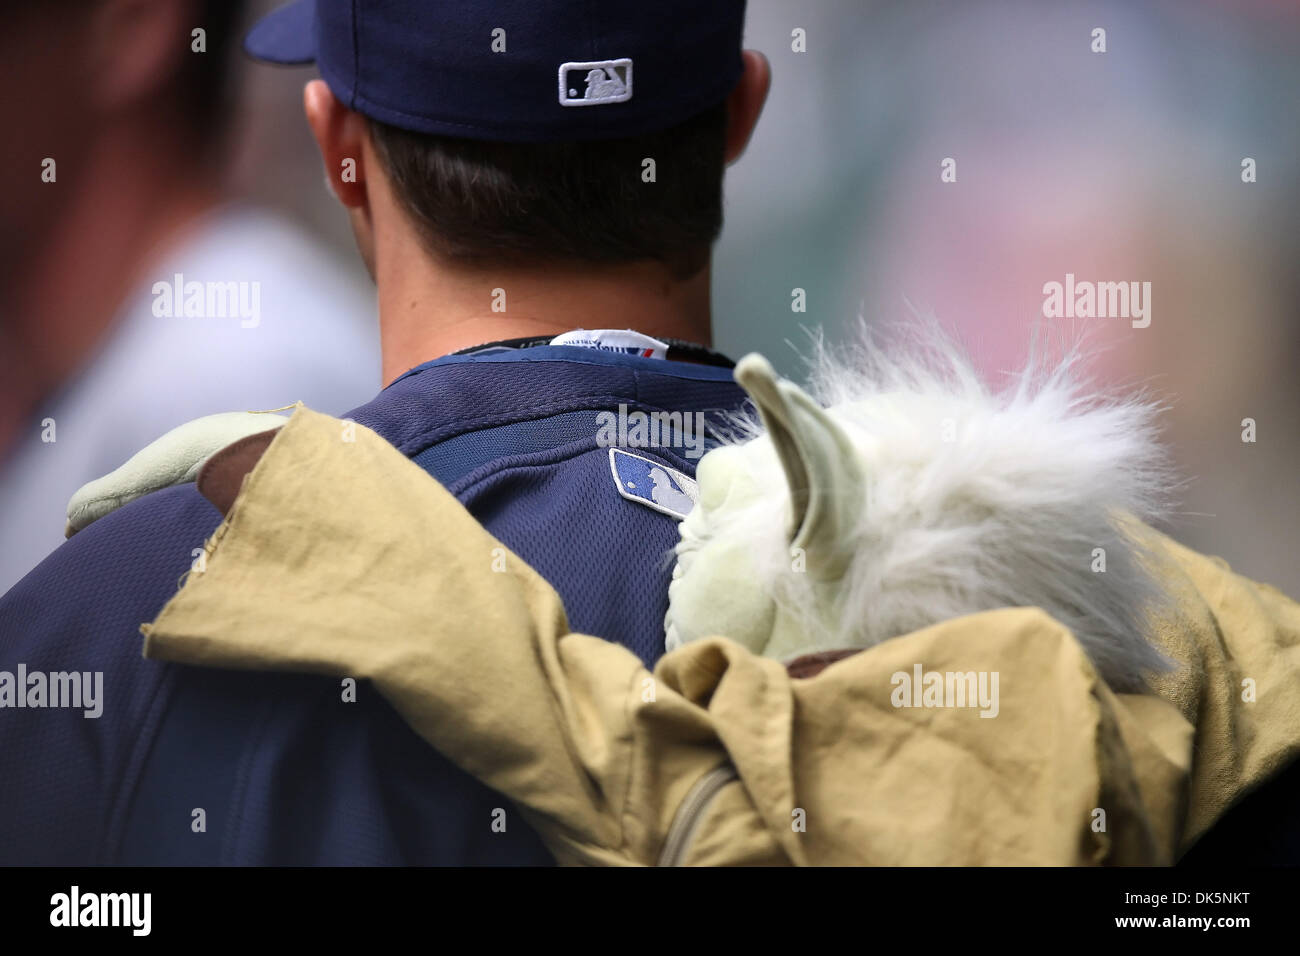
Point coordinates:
pixel 196 766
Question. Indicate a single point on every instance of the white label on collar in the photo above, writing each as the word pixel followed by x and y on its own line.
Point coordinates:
pixel 622 341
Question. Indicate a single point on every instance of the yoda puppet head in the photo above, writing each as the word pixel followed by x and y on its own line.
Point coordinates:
pixel 916 494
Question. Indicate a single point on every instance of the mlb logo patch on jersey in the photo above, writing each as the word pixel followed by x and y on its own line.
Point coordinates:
pixel 595 82
pixel 656 486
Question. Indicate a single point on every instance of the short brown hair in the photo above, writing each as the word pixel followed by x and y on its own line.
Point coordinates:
pixel 508 203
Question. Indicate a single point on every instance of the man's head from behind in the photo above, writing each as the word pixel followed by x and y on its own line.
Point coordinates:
pixel 527 135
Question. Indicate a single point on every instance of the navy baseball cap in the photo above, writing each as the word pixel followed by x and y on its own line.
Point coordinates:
pixel 515 70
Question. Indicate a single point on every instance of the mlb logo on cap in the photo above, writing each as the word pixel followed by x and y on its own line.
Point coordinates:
pixel 606 81
pixel 487 69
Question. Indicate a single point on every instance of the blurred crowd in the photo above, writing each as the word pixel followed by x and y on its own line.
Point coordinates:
pixel 140 285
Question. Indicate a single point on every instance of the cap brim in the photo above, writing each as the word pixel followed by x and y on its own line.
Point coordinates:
pixel 286 35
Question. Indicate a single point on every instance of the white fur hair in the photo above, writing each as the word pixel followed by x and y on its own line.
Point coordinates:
pixel 978 498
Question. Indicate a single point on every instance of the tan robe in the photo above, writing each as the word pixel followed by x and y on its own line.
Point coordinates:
pixel 344 558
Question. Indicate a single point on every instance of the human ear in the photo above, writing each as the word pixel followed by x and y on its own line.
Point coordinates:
pixel 341 134
pixel 745 102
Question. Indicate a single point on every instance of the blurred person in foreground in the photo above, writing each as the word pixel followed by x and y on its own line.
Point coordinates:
pixel 509 221
pixel 118 135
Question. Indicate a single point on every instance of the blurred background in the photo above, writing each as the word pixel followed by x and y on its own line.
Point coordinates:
pixel 1123 165
pixel 1117 166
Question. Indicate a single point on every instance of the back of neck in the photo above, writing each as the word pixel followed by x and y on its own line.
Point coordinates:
pixel 429 310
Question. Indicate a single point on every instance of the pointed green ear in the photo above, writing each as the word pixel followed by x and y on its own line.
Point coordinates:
pixel 821 467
